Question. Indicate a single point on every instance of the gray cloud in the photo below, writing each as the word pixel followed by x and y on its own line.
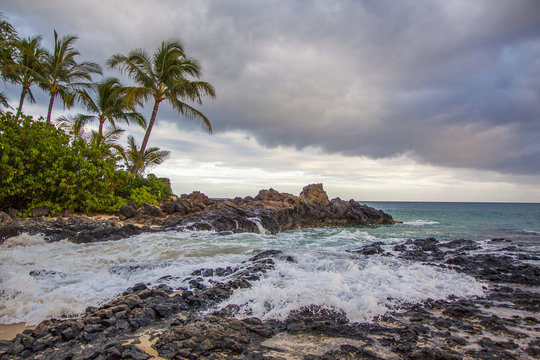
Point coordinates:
pixel 448 83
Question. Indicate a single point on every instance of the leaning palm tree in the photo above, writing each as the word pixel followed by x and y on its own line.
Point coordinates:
pixel 152 156
pixel 26 67
pixel 108 105
pixel 63 74
pixel 167 75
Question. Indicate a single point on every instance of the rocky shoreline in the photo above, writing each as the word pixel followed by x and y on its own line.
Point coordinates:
pixel 166 323
pixel 270 211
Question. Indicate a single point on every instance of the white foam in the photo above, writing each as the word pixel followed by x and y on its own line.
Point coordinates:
pixel 260 227
pixel 24 239
pixel 420 222
pixel 362 291
pixel 68 277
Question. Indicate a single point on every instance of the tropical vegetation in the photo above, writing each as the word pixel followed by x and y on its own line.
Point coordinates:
pixel 68 163
pixel 167 75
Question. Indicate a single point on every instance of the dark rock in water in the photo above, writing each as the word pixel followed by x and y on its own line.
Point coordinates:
pixel 41 274
pixel 371 249
pixel 272 212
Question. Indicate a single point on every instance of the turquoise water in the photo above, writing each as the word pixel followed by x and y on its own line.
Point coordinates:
pixel 445 220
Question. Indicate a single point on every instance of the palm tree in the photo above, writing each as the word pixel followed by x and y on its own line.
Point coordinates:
pixel 25 67
pixel 152 156
pixel 108 105
pixel 165 76
pixel 8 37
pixel 62 73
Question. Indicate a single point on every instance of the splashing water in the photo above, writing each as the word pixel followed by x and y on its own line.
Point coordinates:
pixel 40 280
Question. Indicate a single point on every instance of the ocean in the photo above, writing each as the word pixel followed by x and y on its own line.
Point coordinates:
pixel 41 280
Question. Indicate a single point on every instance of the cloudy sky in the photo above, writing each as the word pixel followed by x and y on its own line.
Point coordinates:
pixel 378 100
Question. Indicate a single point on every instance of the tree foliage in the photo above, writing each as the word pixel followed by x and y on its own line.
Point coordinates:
pixel 39 166
pixel 168 75
pixel 62 75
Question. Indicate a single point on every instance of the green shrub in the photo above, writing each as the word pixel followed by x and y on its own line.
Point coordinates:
pixel 143 195
pixel 39 166
pixel 159 188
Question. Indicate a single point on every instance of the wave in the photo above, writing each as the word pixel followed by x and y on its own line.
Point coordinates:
pixel 361 290
pixel 420 222
pixel 24 239
pixel 529 232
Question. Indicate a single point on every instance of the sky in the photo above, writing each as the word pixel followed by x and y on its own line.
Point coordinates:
pixel 418 100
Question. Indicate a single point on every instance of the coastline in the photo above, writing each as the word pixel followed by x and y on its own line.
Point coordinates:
pixel 263 296
pixel 502 319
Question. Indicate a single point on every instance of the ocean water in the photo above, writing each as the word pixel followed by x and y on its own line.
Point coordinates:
pixel 40 280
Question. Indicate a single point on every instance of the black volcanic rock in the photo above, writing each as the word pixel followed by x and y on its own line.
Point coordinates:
pixel 269 212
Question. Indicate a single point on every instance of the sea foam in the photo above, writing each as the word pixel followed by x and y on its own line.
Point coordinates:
pixel 420 222
pixel 362 288
pixel 40 280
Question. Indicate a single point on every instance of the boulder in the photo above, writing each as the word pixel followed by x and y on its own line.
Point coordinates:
pixel 14 213
pixel 315 193
pixel 151 210
pixel 168 207
pixel 41 211
pixel 128 211
pixel 5 218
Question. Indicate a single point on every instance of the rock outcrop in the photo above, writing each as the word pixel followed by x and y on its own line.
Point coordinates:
pixel 272 212
pixel 268 212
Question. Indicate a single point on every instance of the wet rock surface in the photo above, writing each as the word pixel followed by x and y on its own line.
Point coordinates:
pixel 269 212
pixel 166 323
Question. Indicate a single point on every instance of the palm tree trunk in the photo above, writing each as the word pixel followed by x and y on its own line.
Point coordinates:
pixel 145 140
pixel 21 102
pixel 50 108
pixel 101 122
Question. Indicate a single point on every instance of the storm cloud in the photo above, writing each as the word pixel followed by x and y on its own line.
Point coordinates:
pixel 453 84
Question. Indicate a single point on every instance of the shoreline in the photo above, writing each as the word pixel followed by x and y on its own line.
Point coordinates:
pixel 180 323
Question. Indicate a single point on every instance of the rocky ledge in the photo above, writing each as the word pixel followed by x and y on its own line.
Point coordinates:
pixel 166 323
pixel 268 212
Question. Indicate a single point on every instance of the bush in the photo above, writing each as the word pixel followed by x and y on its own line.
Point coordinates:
pixel 158 188
pixel 39 166
pixel 142 195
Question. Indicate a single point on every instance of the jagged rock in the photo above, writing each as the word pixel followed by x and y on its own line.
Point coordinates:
pixel 151 211
pixel 272 195
pixel 198 197
pixel 168 207
pixel 270 212
pixel 371 249
pixel 315 193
